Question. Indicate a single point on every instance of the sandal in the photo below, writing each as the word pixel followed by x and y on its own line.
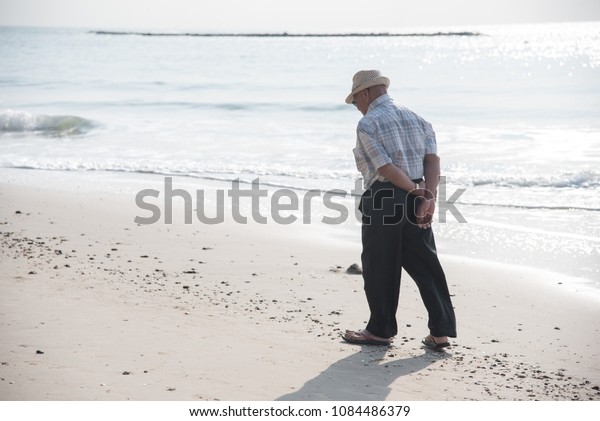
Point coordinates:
pixel 364 337
pixel 430 342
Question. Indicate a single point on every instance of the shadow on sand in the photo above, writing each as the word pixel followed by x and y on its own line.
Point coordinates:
pixel 363 376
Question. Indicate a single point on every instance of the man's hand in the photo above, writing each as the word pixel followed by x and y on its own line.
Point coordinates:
pixel 425 211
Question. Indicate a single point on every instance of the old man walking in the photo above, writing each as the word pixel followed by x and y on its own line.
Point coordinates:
pixel 396 153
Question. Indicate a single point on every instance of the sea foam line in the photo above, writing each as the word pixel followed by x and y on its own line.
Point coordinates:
pixel 540 207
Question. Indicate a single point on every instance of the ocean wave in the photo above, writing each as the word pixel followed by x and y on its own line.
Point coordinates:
pixel 19 121
pixel 579 179
pixel 306 173
pixel 231 106
pixel 304 180
pixel 530 207
pixel 582 180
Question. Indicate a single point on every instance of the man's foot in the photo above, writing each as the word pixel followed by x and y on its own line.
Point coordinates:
pixel 364 337
pixel 435 342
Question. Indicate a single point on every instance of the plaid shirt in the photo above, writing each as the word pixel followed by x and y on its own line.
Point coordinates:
pixel 392 133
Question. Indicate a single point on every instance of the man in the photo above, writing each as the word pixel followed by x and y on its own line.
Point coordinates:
pixel 395 150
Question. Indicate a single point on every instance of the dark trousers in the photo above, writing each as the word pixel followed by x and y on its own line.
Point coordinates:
pixel 392 241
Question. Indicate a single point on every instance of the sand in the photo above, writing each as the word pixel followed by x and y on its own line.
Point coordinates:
pixel 97 307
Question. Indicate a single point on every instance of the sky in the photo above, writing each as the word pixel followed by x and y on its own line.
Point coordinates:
pixel 289 15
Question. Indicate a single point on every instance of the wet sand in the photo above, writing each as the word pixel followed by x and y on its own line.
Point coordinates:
pixel 97 307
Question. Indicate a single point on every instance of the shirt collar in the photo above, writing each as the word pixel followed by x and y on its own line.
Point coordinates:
pixel 383 98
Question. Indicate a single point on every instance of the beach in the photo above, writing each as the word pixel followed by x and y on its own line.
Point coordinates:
pixel 200 108
pixel 110 292
pixel 97 307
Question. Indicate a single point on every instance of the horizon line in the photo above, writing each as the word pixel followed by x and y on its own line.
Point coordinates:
pixel 285 34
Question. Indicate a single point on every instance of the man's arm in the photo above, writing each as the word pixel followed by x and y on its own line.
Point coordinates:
pixel 431 165
pixel 398 178
pixel 426 209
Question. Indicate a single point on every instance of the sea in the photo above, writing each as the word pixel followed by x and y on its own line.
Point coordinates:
pixel 516 110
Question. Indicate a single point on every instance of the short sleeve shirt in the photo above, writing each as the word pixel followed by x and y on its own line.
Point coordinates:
pixel 389 133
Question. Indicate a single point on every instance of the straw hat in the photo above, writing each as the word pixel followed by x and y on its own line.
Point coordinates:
pixel 365 79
